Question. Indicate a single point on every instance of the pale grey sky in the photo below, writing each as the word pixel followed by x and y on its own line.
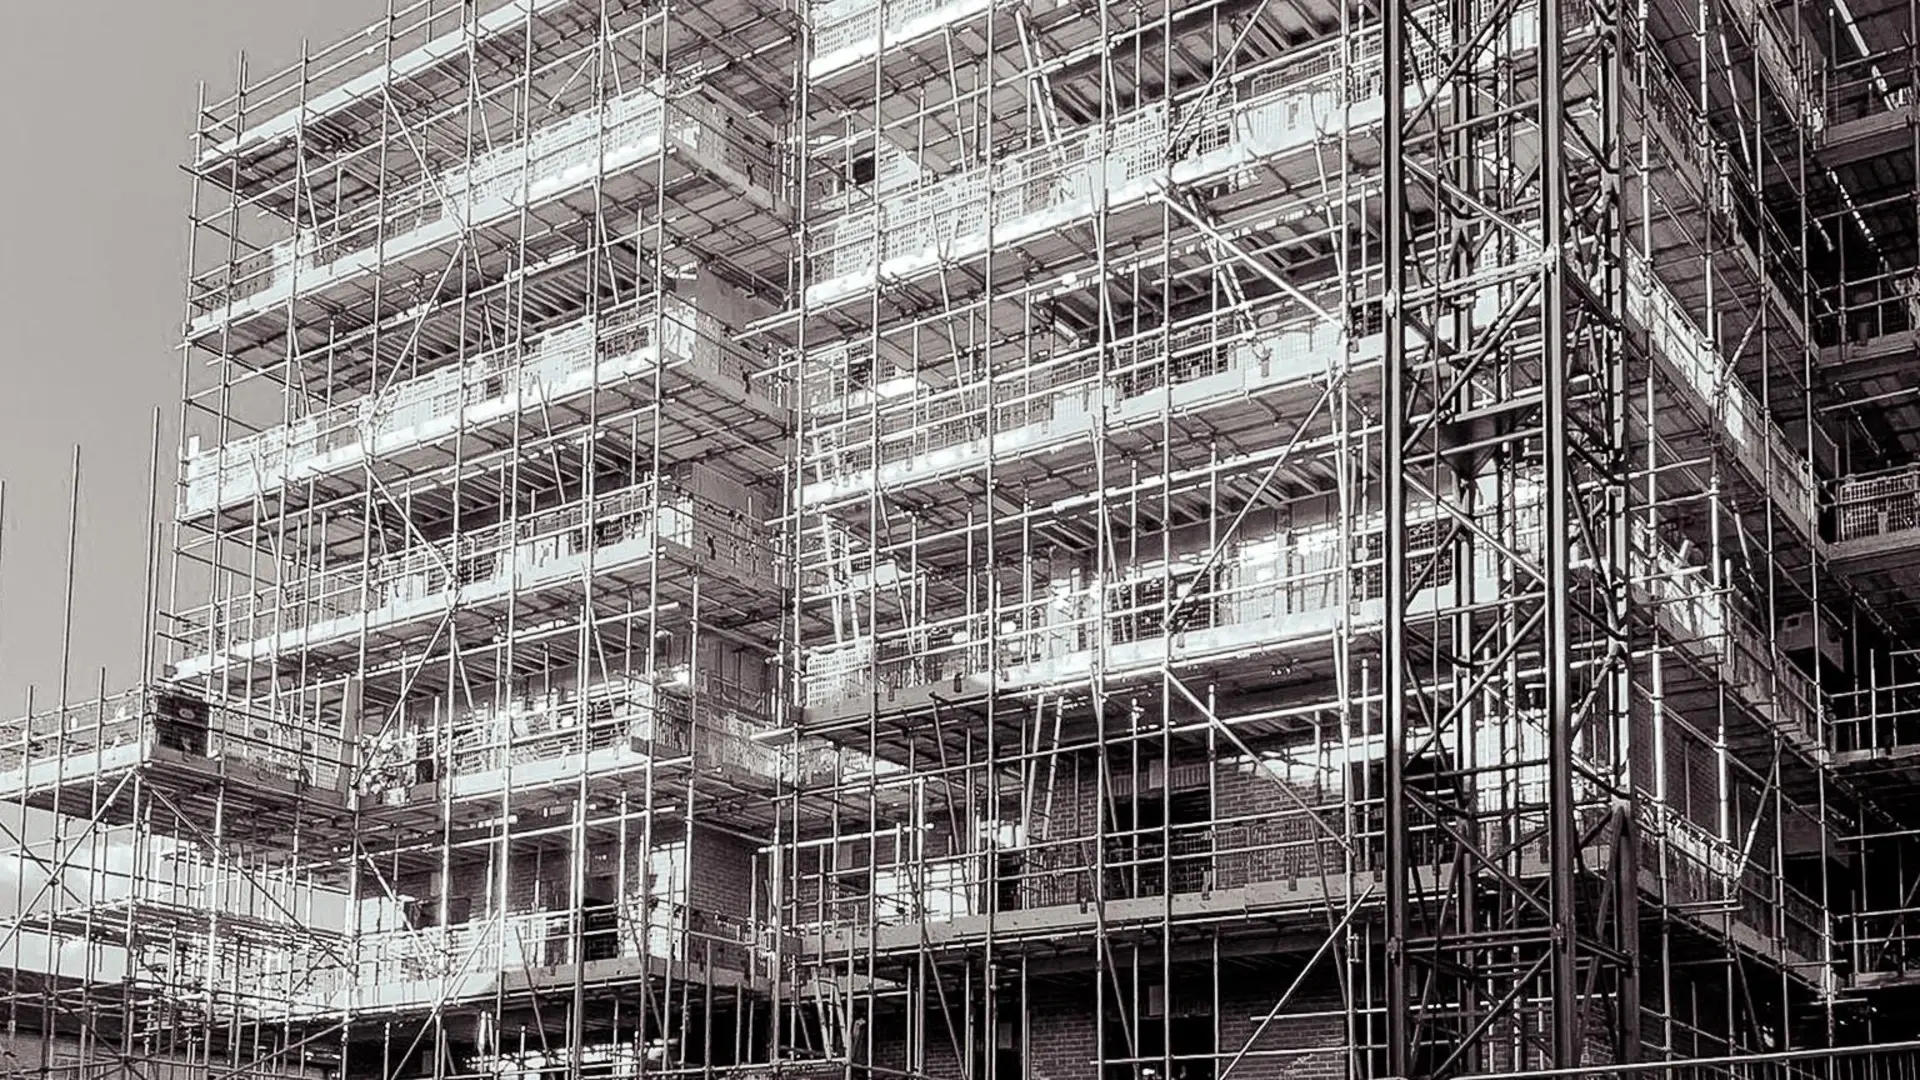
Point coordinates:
pixel 99 102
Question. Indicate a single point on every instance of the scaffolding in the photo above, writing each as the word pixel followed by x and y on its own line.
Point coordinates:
pixel 990 539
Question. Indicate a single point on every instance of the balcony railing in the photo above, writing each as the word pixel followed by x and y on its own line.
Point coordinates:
pixel 847 31
pixel 1265 593
pixel 1882 944
pixel 82 741
pixel 1773 462
pixel 415 36
pixel 1768 40
pixel 718 730
pixel 1867 86
pixel 923 430
pixel 1295 851
pixel 633 127
pixel 633 342
pixel 1032 190
pixel 1710 620
pixel 1883 715
pixel 448 963
pixel 1045 865
pixel 926 430
pixel 644 521
pixel 1865 309
pixel 1885 504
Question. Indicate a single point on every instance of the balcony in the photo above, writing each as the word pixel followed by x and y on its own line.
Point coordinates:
pixel 918 223
pixel 1878 731
pixel 928 433
pixel 1864 114
pixel 646 938
pixel 1768 39
pixel 621 727
pixel 414 229
pixel 918 227
pixel 1770 462
pixel 365 68
pixel 1264 854
pixel 1288 593
pixel 1730 658
pixel 1881 948
pixel 1030 194
pixel 174 739
pixel 703 528
pixel 1197 371
pixel 1712 883
pixel 1877 520
pixel 845 32
pixel 1263 602
pixel 704 381
pixel 1872 330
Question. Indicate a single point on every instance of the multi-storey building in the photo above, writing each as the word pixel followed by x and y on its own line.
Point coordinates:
pixel 1023 539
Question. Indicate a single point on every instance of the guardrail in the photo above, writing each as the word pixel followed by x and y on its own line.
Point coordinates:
pixel 1294 585
pixel 1769 39
pixel 406 39
pixel 1878 504
pixel 899 884
pixel 1863 309
pixel 911 430
pixel 720 729
pixel 1884 714
pixel 637 340
pixel 121 731
pixel 628 722
pixel 1881 943
pixel 844 31
pixel 447 963
pixel 1305 844
pixel 1865 86
pixel 623 130
pixel 1300 577
pixel 1028 191
pixel 1774 463
pixel 640 521
pixel 1031 191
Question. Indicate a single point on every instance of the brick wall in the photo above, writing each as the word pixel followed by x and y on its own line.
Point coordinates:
pixel 728 677
pixel 1252 828
pixel 1234 823
pixel 892 1050
pixel 1061 1039
pixel 1263 834
pixel 1303 1043
pixel 718 875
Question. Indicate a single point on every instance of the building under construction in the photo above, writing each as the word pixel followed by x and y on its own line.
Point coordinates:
pixel 1021 540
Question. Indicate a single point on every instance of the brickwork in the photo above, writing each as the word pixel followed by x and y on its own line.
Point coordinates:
pixel 1303 1043
pixel 1266 836
pixel 1256 830
pixel 724 878
pixel 718 877
pixel 1062 1041
pixel 1062 1038
pixel 1233 823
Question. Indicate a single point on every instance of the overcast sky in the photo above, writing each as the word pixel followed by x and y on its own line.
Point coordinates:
pixel 99 102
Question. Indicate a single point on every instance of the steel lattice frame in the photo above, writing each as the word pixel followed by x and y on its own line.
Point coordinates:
pixel 1505 294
